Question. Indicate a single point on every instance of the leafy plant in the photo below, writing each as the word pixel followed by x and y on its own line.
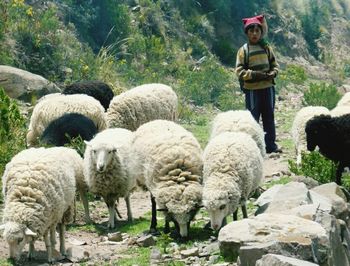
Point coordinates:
pixel 314 165
pixel 321 95
pixel 164 240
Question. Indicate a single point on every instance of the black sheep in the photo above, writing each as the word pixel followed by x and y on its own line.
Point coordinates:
pixel 332 136
pixel 68 126
pixel 97 89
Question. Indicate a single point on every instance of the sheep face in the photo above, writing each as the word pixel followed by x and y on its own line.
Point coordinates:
pixel 17 236
pixel 102 156
pixel 183 220
pixel 217 215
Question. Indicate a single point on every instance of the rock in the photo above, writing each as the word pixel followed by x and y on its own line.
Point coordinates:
pixel 116 237
pixel 23 85
pixel 193 252
pixel 212 248
pixel 155 254
pixel 146 241
pixel 287 197
pixel 77 254
pixel 290 235
pixel 278 260
pixel 268 195
pixel 213 259
pixel 308 181
pixel 336 198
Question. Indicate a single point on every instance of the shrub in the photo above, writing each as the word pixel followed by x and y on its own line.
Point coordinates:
pixel 316 166
pixel 12 131
pixel 321 95
pixel 292 74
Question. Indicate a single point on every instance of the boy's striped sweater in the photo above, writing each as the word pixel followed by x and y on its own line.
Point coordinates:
pixel 258 61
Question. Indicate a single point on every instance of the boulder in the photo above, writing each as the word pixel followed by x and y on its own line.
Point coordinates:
pixel 23 85
pixel 284 234
pixel 279 260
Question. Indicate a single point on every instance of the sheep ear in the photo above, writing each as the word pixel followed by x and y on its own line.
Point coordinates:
pixel 29 232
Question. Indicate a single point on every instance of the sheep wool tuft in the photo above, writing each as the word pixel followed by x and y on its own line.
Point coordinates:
pixel 233 169
pixel 239 121
pixel 168 160
pixel 39 189
pixel 142 104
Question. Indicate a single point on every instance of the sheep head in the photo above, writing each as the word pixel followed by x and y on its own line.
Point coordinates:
pixel 16 235
pixel 102 155
pixel 315 130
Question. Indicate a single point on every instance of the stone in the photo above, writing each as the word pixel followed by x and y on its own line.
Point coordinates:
pixel 76 242
pixel 290 235
pixel 23 85
pixel 289 196
pixel 193 252
pixel 279 260
pixel 116 237
pixel 308 181
pixel 146 241
pixel 77 254
pixel 155 254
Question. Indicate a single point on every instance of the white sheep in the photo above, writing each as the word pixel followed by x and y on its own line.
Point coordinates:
pixel 105 168
pixel 239 121
pixel 298 127
pixel 51 108
pixel 340 110
pixel 345 100
pixel 168 160
pixel 39 188
pixel 142 104
pixel 233 169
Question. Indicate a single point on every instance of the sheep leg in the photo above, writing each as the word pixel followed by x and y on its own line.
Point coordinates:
pixel 62 230
pixel 31 250
pixel 128 207
pixel 53 236
pixel 48 247
pixel 339 174
pixel 244 211
pixel 167 224
pixel 235 215
pixel 153 227
pixel 85 201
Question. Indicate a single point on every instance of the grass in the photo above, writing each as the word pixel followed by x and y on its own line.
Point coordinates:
pixel 6 262
pixel 137 256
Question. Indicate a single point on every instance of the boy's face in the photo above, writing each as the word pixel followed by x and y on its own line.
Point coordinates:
pixel 254 34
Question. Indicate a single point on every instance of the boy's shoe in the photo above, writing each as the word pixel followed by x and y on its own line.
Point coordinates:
pixel 277 150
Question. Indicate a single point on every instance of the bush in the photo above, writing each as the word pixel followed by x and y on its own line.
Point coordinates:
pixel 292 74
pixel 12 131
pixel 321 95
pixel 316 166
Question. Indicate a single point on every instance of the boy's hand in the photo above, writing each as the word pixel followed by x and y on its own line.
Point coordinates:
pixel 272 74
pixel 259 75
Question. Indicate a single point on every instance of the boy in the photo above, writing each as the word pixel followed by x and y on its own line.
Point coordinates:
pixel 256 67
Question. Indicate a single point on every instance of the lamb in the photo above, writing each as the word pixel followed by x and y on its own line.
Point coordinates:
pixel 39 188
pixel 52 108
pixel 167 159
pixel 233 169
pixel 345 100
pixel 239 121
pixel 97 89
pixel 72 125
pixel 298 127
pixel 105 168
pixel 142 104
pixel 331 135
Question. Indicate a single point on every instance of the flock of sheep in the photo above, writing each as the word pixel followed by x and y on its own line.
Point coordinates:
pixel 131 140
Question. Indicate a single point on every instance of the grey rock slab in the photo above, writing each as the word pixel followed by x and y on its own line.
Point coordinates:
pixel 289 196
pixel 289 233
pixel 190 252
pixel 155 254
pixel 116 237
pixel 77 254
pixel 146 241
pixel 23 85
pixel 279 260
pixel 268 195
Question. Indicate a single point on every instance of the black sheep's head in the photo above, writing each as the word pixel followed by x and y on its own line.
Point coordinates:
pixel 316 131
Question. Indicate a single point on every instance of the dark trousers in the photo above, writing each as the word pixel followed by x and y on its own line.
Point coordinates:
pixel 261 102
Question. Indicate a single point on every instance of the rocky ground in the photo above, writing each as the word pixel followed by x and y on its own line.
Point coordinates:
pixel 93 244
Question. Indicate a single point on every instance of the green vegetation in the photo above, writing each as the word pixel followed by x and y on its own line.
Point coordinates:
pixel 316 166
pixel 321 94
